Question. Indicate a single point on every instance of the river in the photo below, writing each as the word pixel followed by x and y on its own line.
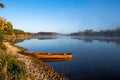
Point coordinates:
pixel 94 58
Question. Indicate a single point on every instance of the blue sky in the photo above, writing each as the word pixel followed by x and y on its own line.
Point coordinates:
pixel 64 16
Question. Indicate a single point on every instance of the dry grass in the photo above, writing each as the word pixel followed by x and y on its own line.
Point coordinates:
pixel 11 68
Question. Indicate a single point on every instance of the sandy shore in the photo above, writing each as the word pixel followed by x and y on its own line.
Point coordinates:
pixel 11 49
pixel 36 68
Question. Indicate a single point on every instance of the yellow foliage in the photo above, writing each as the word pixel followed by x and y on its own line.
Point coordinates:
pixel 9 24
pixel 6 27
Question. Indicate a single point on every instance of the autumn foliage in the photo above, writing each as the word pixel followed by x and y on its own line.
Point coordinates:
pixel 6 27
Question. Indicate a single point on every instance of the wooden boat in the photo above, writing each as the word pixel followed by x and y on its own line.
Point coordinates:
pixel 42 55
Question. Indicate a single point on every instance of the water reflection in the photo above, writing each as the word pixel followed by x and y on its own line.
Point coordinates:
pixel 22 39
pixel 115 40
pixel 47 37
pixel 56 60
pixel 93 57
pixel 101 39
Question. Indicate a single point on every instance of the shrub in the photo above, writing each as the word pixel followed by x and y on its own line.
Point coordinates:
pixel 1 37
pixel 2 46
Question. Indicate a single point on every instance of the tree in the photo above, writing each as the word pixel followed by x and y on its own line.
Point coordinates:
pixel 2 5
pixel 6 27
pixel 9 28
pixel 2 24
pixel 9 24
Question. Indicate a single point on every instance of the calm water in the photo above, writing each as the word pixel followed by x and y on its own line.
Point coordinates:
pixel 93 58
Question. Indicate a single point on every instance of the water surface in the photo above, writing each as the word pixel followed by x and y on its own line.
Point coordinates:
pixel 93 58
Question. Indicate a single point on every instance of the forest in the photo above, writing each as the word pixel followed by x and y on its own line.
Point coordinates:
pixel 90 32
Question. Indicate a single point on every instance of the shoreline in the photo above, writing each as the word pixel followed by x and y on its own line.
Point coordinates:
pixel 35 67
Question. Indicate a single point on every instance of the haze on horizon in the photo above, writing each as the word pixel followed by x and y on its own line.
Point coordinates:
pixel 64 16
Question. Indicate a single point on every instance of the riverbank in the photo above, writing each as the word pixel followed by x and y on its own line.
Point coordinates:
pixel 36 68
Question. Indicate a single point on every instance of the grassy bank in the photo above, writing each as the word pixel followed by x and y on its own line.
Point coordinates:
pixel 14 66
pixel 11 68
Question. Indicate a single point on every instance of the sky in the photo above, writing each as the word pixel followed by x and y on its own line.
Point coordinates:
pixel 63 16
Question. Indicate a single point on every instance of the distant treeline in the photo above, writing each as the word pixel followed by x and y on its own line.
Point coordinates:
pixel 21 32
pixel 47 33
pixel 108 32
